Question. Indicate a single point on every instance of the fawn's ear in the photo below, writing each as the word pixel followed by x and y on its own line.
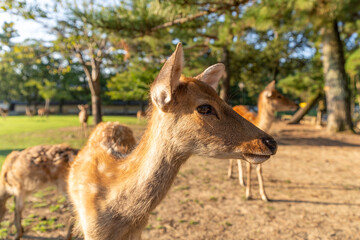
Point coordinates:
pixel 270 88
pixel 212 75
pixel 79 107
pixel 168 79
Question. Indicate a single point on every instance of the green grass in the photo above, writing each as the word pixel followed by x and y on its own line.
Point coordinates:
pixel 20 132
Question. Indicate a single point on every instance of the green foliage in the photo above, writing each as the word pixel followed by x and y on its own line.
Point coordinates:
pixel 47 90
pixel 352 64
pixel 306 82
pixel 266 40
pixel 133 84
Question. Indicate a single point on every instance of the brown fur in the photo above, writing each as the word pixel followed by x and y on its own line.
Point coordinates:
pixel 42 112
pixel 141 115
pixel 29 112
pixel 269 102
pixel 28 171
pixel 83 117
pixel 113 195
pixel 4 112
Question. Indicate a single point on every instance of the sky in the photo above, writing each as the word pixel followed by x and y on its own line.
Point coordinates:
pixel 26 28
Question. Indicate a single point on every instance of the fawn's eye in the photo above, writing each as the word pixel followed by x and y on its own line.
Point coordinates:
pixel 205 109
pixel 279 96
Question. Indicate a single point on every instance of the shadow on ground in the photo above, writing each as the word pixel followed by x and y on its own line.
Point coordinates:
pixel 311 141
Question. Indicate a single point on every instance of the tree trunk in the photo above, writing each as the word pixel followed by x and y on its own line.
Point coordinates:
pixel 47 105
pixel 303 111
pixel 96 108
pixel 225 85
pixel 336 82
pixel 61 105
pixel 96 102
pixel 93 78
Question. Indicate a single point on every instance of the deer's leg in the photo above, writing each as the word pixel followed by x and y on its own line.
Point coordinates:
pixel 248 181
pixel 84 129
pixel 230 168
pixel 19 206
pixel 261 183
pixel 241 177
pixel 69 230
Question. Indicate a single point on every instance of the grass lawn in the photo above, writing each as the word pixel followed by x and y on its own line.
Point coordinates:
pixel 19 132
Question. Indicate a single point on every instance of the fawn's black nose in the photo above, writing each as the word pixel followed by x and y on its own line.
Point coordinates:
pixel 271 144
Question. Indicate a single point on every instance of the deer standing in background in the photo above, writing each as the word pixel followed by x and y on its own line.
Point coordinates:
pixel 29 112
pixel 113 194
pixel 83 117
pixel 269 102
pixel 42 112
pixel 4 112
pixel 140 115
pixel 25 172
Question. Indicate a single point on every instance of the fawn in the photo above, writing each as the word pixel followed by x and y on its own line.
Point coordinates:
pixel 4 112
pixel 28 171
pixel 29 112
pixel 42 112
pixel 114 194
pixel 83 117
pixel 269 102
pixel 141 115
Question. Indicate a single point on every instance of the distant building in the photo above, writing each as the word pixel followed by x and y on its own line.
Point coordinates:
pixel 113 108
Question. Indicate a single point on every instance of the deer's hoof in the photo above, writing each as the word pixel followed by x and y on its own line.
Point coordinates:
pixel 265 199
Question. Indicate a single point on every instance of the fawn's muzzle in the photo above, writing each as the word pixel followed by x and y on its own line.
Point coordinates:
pixel 271 144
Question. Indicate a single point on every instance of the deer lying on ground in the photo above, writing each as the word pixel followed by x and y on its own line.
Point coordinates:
pixel 29 112
pixel 113 194
pixel 25 172
pixel 4 112
pixel 269 102
pixel 83 117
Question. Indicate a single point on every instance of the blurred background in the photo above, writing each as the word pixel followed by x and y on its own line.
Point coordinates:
pixel 58 54
pixel 106 53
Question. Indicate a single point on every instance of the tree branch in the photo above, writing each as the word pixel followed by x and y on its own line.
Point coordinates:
pixel 224 6
pixel 86 69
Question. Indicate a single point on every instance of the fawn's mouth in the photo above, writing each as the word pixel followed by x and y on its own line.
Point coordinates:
pixel 254 158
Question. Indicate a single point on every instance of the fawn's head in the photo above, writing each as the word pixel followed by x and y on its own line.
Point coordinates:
pixel 83 107
pixel 192 116
pixel 275 100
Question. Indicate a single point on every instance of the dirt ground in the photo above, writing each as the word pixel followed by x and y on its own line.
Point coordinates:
pixel 313 182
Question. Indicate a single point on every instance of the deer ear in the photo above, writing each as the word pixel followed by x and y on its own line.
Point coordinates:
pixel 79 107
pixel 270 88
pixel 168 79
pixel 212 75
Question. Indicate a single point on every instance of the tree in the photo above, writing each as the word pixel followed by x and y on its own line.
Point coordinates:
pixel 133 84
pixel 322 19
pixel 89 47
pixel 30 70
pixel 336 80
pixel 47 90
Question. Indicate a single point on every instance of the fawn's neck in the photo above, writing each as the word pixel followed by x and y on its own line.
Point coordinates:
pixel 265 115
pixel 157 161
